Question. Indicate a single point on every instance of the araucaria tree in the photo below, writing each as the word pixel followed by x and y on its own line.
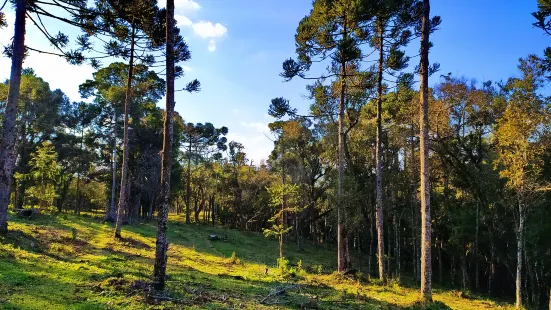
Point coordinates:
pixel 390 30
pixel 426 267
pixel 7 141
pixel 332 32
pixel 176 51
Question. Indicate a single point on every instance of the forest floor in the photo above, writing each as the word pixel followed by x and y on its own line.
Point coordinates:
pixel 69 262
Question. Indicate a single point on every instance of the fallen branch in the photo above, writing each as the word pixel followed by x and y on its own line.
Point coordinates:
pixel 279 291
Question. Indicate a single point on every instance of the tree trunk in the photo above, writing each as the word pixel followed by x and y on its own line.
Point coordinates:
pixel 341 253
pixel 7 142
pixel 111 215
pixel 379 165
pixel 150 211
pixel 476 285
pixel 371 241
pixel 213 210
pixel 426 268
pixel 520 243
pixel 464 274
pixel 440 265
pixel 188 185
pixel 124 171
pixel 159 270
pixel 78 194
pixel 491 276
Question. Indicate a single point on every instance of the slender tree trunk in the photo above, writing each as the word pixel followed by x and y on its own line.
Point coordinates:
pixel 414 215
pixel 491 276
pixel 476 247
pixel 111 215
pixel 371 241
pixel 7 142
pixel 341 255
pixel 464 274
pixel 159 270
pixel 440 265
pixel 213 210
pixel 124 171
pixel 452 267
pixel 150 211
pixel 426 268
pixel 379 165
pixel 78 194
pixel 188 184
pixel 520 243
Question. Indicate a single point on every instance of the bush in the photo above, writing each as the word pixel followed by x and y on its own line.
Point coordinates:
pixel 286 270
pixel 234 259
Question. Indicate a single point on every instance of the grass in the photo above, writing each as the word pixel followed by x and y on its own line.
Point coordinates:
pixel 68 262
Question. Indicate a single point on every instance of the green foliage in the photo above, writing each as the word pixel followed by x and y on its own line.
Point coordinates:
pixel 521 128
pixel 43 175
pixel 234 259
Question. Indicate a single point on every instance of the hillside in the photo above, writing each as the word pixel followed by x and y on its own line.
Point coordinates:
pixel 68 262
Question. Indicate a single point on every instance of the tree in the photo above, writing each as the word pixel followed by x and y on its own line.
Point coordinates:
pixel 203 141
pixel 43 175
pixel 284 197
pixel 426 267
pixel 7 141
pixel 333 30
pixel 391 31
pixel 519 136
pixel 109 88
pixel 172 56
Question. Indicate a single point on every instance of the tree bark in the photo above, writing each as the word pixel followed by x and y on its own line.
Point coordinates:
pixel 341 253
pixel 379 165
pixel 111 215
pixel 188 184
pixel 159 270
pixel 426 268
pixel 124 168
pixel 520 244
pixel 7 142
pixel 476 281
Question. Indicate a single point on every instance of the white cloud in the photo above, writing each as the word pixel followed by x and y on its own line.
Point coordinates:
pixel 212 45
pixel 187 68
pixel 184 6
pixel 182 21
pixel 206 29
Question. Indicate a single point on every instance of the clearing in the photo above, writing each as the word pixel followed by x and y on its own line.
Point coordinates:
pixel 70 262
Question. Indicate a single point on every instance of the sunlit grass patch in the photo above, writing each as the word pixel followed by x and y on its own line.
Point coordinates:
pixel 68 262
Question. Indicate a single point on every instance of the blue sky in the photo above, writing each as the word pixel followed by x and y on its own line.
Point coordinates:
pixel 238 46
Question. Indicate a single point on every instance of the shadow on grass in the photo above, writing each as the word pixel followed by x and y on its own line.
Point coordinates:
pixel 193 286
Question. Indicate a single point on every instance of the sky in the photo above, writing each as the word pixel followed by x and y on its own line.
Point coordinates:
pixel 238 47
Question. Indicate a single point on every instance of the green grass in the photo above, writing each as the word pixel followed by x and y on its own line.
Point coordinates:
pixel 68 262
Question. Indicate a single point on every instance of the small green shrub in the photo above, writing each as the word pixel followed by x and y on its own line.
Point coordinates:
pixel 74 234
pixel 234 259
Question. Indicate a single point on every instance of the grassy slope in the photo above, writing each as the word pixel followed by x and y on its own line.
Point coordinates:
pixel 43 267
